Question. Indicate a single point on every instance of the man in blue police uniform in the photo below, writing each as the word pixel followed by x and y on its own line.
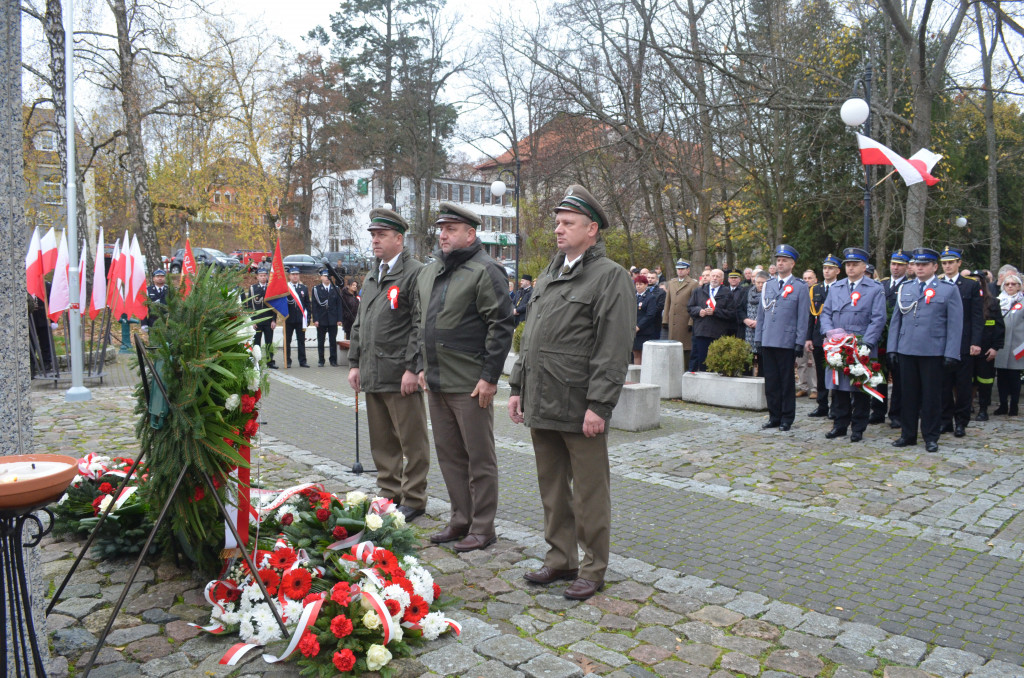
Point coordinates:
pixel 958 386
pixel 816 338
pixel 326 303
pixel 924 339
pixel 297 319
pixel 855 304
pixel 898 263
pixel 157 293
pixel 780 336
pixel 263 315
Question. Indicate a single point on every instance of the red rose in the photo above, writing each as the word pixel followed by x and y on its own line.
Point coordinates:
pixel 344 661
pixel 106 488
pixel 339 532
pixel 198 496
pixel 309 646
pixel 270 579
pixel 341 593
pixel 846 370
pixel 394 607
pixel 322 514
pixel 287 519
pixel 341 626
pixel 259 394
pixel 876 366
pixel 251 427
pixel 296 583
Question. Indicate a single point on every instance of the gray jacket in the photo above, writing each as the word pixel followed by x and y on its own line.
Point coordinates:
pixel 927 322
pixel 866 318
pixel 782 315
pixel 1014 321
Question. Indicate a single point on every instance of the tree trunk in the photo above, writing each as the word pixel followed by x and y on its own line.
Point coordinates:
pixel 992 208
pixel 138 171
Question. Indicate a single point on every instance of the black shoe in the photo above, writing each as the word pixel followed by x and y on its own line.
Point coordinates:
pixel 946 428
pixel 903 442
pixel 856 437
pixel 959 431
pixel 836 432
pixel 895 423
pixel 272 365
pixel 320 364
pixel 334 363
pixel 770 424
pixel 409 512
pixel 303 364
pixel 1013 411
pixel 785 427
pixel 877 419
pixel 819 412
pixel 1001 410
pixel 931 447
pixel 982 415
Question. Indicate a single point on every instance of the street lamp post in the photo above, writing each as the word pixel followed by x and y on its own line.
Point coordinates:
pixel 498 189
pixel 856 112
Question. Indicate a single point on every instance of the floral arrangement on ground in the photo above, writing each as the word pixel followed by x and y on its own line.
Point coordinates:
pixel 847 354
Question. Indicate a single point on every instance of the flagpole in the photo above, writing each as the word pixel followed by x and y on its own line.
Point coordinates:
pixel 78 392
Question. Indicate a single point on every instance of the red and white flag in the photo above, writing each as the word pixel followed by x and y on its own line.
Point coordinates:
pixel 914 171
pixel 115 282
pixel 137 282
pixel 34 280
pixel 48 246
pixel 98 300
pixel 60 295
pixel 188 268
pixel 81 280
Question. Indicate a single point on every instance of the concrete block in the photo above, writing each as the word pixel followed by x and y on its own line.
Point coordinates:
pixel 662 364
pixel 510 361
pixel 633 374
pixel 743 393
pixel 638 409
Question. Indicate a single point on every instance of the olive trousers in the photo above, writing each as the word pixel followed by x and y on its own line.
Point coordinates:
pixel 399 446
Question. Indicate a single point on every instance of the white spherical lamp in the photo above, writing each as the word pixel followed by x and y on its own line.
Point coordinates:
pixel 854 112
pixel 498 188
pixel 961 221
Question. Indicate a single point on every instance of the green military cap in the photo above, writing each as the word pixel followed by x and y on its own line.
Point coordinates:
pixel 382 219
pixel 450 212
pixel 578 199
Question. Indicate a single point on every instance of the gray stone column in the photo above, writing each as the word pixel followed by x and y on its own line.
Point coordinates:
pixel 15 412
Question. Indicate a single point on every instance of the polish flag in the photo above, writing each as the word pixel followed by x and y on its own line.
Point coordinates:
pixel 81 280
pixel 137 282
pixel 48 246
pixel 60 297
pixel 34 268
pixel 114 299
pixel 98 300
pixel 913 171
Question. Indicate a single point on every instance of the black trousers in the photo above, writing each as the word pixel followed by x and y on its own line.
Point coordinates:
pixel 984 377
pixel 1009 387
pixel 327 330
pixel 699 353
pixel 819 369
pixel 779 383
pixel 896 395
pixel 265 334
pixel 957 392
pixel 851 407
pixel 289 330
pixel 921 379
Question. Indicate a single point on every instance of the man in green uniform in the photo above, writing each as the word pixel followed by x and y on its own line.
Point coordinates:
pixel 570 371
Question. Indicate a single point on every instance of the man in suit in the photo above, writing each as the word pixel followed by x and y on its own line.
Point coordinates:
pixel 711 308
pixel 385 361
pixel 780 336
pixel 855 304
pixel 676 316
pixel 738 290
pixel 898 263
pixel 814 345
pixel 807 381
pixel 958 386
pixel 297 320
pixel 522 298
pixel 157 293
pixel 263 315
pixel 327 309
pixel 565 385
pixel 924 340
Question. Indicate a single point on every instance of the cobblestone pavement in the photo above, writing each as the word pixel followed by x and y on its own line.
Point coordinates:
pixel 733 554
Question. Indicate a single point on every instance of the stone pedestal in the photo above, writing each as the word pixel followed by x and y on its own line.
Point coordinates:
pixel 744 393
pixel 662 364
pixel 633 374
pixel 510 362
pixel 638 409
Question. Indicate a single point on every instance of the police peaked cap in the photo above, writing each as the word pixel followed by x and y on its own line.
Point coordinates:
pixel 855 254
pixel 899 257
pixel 787 251
pixel 924 255
pixel 949 254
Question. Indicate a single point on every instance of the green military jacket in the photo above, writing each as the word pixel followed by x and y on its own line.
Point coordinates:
pixel 576 343
pixel 385 339
pixel 467 320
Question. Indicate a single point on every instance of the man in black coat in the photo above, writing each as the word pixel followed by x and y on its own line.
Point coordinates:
pixel 815 345
pixel 898 263
pixel 521 298
pixel 264 316
pixel 958 385
pixel 738 289
pixel 327 316
pixel 157 293
pixel 297 320
pixel 714 316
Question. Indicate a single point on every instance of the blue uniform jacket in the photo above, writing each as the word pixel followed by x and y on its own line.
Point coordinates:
pixel 927 328
pixel 866 319
pixel 782 320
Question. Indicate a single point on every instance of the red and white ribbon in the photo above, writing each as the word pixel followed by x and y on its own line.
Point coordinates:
pixel 283 496
pixel 854 298
pixel 928 294
pixel 711 302
pixel 393 297
pixel 1018 352
pixel 381 506
pixel 126 493
pixel 386 621
pixel 309 614
pixel 787 291
pixel 345 543
pixel 235 653
pixel 364 552
pixel 215 629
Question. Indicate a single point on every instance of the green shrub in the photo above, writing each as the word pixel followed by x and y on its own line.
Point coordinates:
pixel 729 356
pixel 517 337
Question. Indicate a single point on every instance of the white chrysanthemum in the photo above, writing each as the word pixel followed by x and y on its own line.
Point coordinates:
pixel 262 615
pixel 253 379
pixel 864 350
pixel 409 562
pixel 355 497
pixel 257 352
pixel 293 609
pixel 252 593
pixel 397 593
pixel 232 402
pixel 371 620
pixel 268 634
pixel 246 631
pixel 377 657
pixel 374 522
pixel 433 625
pixel 875 380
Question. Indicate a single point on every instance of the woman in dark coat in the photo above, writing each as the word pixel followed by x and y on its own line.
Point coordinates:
pixel 349 305
pixel 648 316
pixel 991 341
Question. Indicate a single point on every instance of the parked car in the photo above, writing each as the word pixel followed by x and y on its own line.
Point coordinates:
pixel 205 256
pixel 304 262
pixel 251 259
pixel 351 262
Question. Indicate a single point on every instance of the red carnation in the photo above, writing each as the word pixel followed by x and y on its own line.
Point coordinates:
pixel 282 558
pixel 437 591
pixel 296 583
pixel 309 646
pixel 259 394
pixel 417 610
pixel 198 496
pixel 322 514
pixel 341 593
pixel 876 366
pixel 287 519
pixel 311 598
pixel 248 404
pixel 341 626
pixel 394 607
pixel 344 661
pixel 270 579
pixel 339 532
pixel 106 488
pixel 846 370
pixel 96 505
pixel 251 428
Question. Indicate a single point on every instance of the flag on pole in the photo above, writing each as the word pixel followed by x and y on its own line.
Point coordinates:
pixel 48 246
pixel 98 300
pixel 60 297
pixel 913 172
pixel 188 268
pixel 81 281
pixel 114 299
pixel 137 282
pixel 278 290
pixel 34 268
